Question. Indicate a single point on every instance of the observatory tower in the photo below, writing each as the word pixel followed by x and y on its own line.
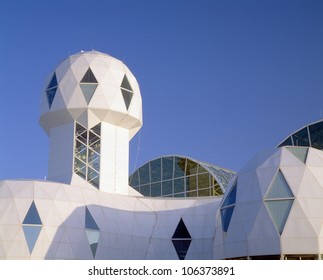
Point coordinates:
pixel 90 109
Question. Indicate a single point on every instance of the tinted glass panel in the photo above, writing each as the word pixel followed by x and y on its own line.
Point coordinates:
pixel 167 165
pixel 316 134
pixel 279 188
pixel 32 216
pixel 156 189
pixel 127 97
pixel 191 183
pixel 144 174
pixel 145 190
pixel 167 187
pixel 31 235
pixel 231 198
pixel 299 152
pixel 279 210
pixel 203 181
pixel 226 214
pixel 88 91
pixel 205 192
pixel 181 247
pixel 125 83
pixel 155 169
pixel 53 82
pixel 89 77
pixel 179 185
pixel 134 179
pixel 300 138
pixel 191 167
pixel 89 220
pixel 179 167
pixel 287 142
pixel 181 230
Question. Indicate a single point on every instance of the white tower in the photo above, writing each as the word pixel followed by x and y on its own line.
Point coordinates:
pixel 90 109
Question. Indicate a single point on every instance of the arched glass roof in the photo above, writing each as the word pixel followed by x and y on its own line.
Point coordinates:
pixel 310 135
pixel 177 176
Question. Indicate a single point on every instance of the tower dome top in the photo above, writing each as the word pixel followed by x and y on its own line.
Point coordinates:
pixel 91 87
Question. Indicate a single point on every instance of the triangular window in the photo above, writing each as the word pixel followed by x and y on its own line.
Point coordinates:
pixel 279 189
pixel 299 152
pixel 51 90
pixel 32 216
pixel 88 85
pixel 228 207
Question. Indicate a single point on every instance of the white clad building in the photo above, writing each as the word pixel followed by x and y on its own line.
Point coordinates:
pixel 175 208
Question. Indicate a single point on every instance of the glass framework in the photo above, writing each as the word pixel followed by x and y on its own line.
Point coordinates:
pixel 175 176
pixel 309 136
pixel 87 153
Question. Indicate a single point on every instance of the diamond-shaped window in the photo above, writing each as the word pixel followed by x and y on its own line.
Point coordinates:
pixel 127 92
pixel 279 201
pixel 92 231
pixel 88 85
pixel 51 90
pixel 32 226
pixel 181 240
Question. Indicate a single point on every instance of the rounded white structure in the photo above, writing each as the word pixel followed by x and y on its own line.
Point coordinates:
pixel 90 108
pixel 273 208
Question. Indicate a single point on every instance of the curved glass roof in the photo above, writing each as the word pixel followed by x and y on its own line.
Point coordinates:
pixel 310 135
pixel 177 176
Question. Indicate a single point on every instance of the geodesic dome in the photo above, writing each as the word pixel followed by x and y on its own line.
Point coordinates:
pixel 91 87
pixel 274 207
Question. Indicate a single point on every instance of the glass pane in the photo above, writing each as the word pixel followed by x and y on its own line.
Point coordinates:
pixel 167 187
pixel 134 179
pixel 80 168
pixel 299 152
pixel 89 77
pixel 300 138
pixel 93 138
pixel 89 220
pixel 125 83
pixel 279 188
pixel 156 189
pixel 31 235
pixel 145 190
pixel 80 151
pixel 205 192
pixel 191 167
pixel 144 174
pixel 94 160
pixel 191 184
pixel 179 167
pixel 92 236
pixel 88 91
pixel 203 181
pixel 167 165
pixel 51 95
pixel 181 230
pixel 155 169
pixel 32 216
pixel 287 142
pixel 97 129
pixel 53 82
pixel 316 134
pixel 231 198
pixel 93 177
pixel 217 191
pixel 181 247
pixel 226 214
pixel 201 169
pixel 127 97
pixel 279 210
pixel 179 185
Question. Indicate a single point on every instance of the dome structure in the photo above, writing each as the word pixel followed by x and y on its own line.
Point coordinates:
pixel 273 208
pixel 179 176
pixel 91 87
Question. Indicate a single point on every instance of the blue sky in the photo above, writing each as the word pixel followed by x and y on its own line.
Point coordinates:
pixel 221 80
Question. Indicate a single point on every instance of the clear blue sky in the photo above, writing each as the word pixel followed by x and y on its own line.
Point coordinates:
pixel 220 80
